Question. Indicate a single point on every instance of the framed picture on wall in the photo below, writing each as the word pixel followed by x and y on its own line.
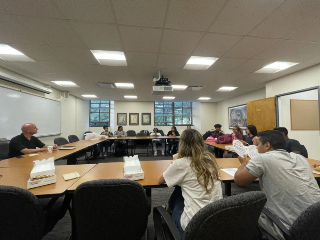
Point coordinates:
pixel 238 116
pixel 133 118
pixel 146 118
pixel 121 119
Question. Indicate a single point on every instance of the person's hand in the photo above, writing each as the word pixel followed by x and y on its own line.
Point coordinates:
pixel 55 146
pixel 255 141
pixel 244 142
pixel 243 160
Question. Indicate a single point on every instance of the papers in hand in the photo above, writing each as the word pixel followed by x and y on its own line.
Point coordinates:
pixel 70 176
pixel 239 148
pixel 230 171
pixel 252 151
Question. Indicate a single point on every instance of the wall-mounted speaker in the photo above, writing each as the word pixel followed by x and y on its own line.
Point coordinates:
pixel 64 94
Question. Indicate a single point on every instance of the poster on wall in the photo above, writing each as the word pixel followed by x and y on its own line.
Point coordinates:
pixel 146 118
pixel 121 119
pixel 238 116
pixel 133 118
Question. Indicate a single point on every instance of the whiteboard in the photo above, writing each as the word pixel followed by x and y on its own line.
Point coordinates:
pixel 17 108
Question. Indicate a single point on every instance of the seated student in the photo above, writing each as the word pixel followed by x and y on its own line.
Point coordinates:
pixel 105 144
pixel 217 132
pixel 173 142
pixel 286 179
pixel 119 133
pixel 26 143
pixel 155 141
pixel 196 177
pixel 237 133
pixel 292 145
pixel 251 131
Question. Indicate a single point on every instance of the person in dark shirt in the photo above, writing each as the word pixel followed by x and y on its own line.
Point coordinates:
pixel 217 132
pixel 105 144
pixel 251 131
pixel 173 143
pixel 292 145
pixel 26 143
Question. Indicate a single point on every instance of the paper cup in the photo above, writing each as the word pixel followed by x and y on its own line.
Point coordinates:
pixel 50 149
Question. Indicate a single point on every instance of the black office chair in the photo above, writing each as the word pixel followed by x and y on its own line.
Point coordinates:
pixel 161 132
pixel 306 226
pixel 110 209
pixel 131 133
pixel 145 143
pixel 22 216
pixel 60 141
pixel 145 131
pixel 4 150
pixel 232 218
pixel 73 138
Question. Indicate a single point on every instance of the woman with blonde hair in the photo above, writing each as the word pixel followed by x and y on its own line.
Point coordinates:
pixel 195 176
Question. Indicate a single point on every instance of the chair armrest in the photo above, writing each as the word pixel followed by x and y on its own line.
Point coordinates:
pixel 160 218
pixel 277 222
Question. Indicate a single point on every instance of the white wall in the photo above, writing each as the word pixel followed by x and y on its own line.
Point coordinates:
pixel 222 107
pixel 208 112
pixel 74 111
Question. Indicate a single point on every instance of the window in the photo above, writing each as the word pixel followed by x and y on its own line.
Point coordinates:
pixel 99 113
pixel 172 113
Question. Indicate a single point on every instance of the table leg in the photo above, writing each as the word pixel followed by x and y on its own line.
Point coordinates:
pixel 227 188
pixel 71 160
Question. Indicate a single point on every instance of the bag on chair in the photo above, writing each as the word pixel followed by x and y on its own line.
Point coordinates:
pixel 210 139
pixel 226 138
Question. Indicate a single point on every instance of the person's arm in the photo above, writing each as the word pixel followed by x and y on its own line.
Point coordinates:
pixel 124 134
pixel 161 179
pixel 116 134
pixel 244 143
pixel 177 133
pixel 242 177
pixel 174 174
pixel 28 150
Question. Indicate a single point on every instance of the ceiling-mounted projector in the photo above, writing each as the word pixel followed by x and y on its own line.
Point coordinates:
pixel 161 86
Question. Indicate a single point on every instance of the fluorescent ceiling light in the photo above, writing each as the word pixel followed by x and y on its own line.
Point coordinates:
pixel 204 98
pixel 110 58
pixel 89 96
pixel 276 67
pixel 199 63
pixel 65 83
pixel 8 53
pixel 124 85
pixel 179 87
pixel 130 97
pixel 226 89
pixel 168 97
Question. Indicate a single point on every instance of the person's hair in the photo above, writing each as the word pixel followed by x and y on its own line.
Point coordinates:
pixel 275 138
pixel 282 129
pixel 105 126
pixel 253 130
pixel 238 129
pixel 155 129
pixel 218 125
pixel 175 129
pixel 203 163
pixel 119 127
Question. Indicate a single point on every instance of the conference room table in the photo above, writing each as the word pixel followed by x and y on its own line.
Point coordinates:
pixel 221 147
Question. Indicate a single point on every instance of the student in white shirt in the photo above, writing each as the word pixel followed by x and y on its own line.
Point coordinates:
pixel 155 141
pixel 196 177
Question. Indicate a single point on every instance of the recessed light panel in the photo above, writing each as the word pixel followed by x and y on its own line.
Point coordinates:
pixel 132 97
pixel 110 58
pixel 124 85
pixel 89 96
pixel 65 83
pixel 199 63
pixel 168 97
pixel 179 87
pixel 226 89
pixel 276 67
pixel 204 98
pixel 8 53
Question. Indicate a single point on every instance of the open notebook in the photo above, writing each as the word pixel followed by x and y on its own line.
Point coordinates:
pixel 67 148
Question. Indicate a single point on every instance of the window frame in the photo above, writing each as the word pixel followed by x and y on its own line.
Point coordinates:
pixel 173 114
pixel 101 122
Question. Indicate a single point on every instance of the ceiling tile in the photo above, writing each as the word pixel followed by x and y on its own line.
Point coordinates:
pixel 304 54
pixel 137 39
pixel 280 49
pixel 118 73
pixel 98 36
pixel 76 55
pixel 33 67
pixel 93 72
pixel 192 15
pixel 143 72
pixel 251 65
pixel 241 16
pixel 226 64
pixel 35 8
pixel 84 10
pixel 172 61
pixel 215 45
pixel 149 13
pixel 290 16
pixel 141 59
pixel 248 79
pixel 61 68
pixel 177 42
pixel 248 47
pixel 11 31
pixel 54 32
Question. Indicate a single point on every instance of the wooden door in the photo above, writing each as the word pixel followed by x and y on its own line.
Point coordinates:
pixel 262 114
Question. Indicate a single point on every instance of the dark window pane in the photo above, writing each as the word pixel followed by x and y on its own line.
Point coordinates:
pixel 178 111
pixel 168 118
pixel 104 110
pixel 95 105
pixel 104 105
pixel 177 104
pixel 159 111
pixel 177 120
pixel 168 110
pixel 104 117
pixel 95 101
pixel 187 104
pixel 158 119
pixel 105 102
pixel 94 110
pixel 186 111
pixel 94 117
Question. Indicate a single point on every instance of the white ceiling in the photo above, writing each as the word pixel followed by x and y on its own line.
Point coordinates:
pixel 160 35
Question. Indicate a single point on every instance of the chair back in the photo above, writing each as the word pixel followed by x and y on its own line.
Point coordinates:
pixel 73 138
pixel 84 135
pixel 230 218
pixel 131 133
pixel 146 132
pixel 21 215
pixel 4 140
pixel 161 132
pixel 303 151
pixel 110 209
pixel 4 150
pixel 306 226
pixel 60 141
pixel 141 134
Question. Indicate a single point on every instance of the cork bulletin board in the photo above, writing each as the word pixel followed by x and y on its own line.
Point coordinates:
pixel 304 114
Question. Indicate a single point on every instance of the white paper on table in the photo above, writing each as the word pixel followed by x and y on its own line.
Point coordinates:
pixel 252 151
pixel 230 171
pixel 70 176
pixel 239 148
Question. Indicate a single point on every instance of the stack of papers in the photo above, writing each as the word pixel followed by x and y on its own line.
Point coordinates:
pixel 42 173
pixel 132 168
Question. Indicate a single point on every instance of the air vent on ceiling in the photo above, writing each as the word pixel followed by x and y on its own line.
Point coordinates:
pixel 105 85
pixel 194 88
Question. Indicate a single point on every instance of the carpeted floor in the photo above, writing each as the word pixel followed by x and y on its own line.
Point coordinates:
pixel 159 196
